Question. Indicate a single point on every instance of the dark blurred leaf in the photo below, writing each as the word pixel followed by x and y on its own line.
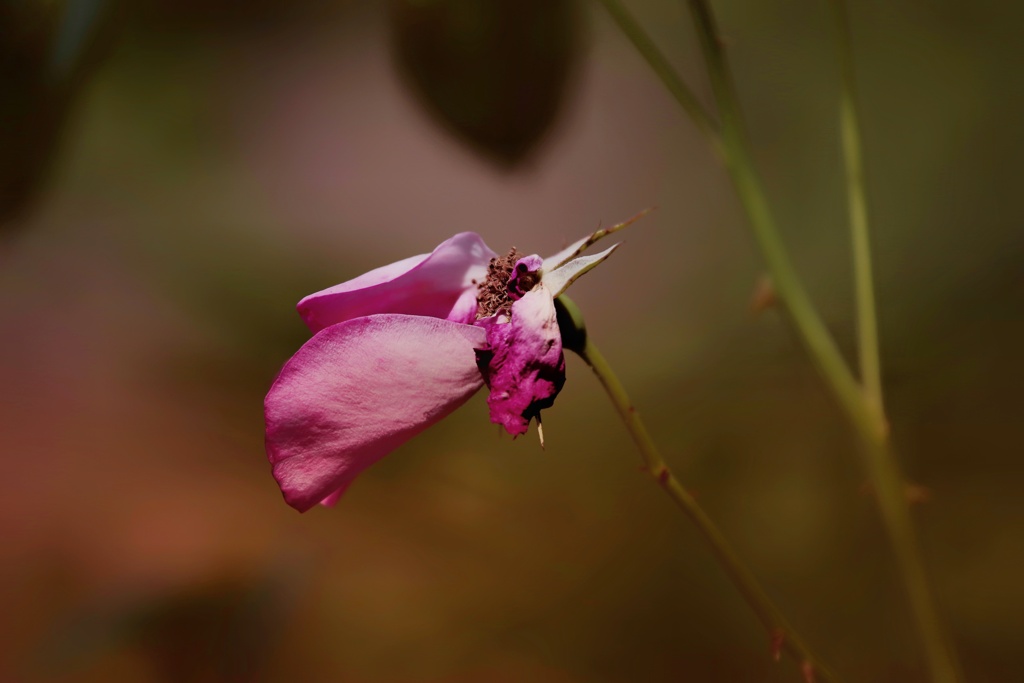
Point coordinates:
pixel 493 72
pixel 47 51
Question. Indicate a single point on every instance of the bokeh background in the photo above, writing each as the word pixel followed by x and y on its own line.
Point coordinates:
pixel 174 176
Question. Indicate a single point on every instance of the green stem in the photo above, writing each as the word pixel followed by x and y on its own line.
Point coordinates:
pixel 890 490
pixel 661 67
pixel 863 411
pixel 870 367
pixel 939 651
pixel 782 633
pixel 812 331
pixel 862 405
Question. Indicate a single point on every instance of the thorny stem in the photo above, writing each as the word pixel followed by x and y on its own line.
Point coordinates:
pixel 864 412
pixel 783 635
pixel 812 331
pixel 939 651
pixel 862 404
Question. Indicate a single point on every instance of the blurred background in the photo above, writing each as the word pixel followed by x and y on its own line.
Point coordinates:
pixel 175 176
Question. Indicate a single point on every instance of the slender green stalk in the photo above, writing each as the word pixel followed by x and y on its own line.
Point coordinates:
pixel 812 331
pixel 939 650
pixel 661 67
pixel 889 488
pixel 782 633
pixel 863 405
pixel 849 121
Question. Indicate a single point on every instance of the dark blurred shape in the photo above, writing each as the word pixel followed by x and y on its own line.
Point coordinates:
pixel 571 325
pixel 494 72
pixel 223 630
pixel 47 52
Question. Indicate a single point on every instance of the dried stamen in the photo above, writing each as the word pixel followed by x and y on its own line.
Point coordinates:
pixel 493 294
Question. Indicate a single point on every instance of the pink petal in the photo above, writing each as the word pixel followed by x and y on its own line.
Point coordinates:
pixel 441 284
pixel 524 276
pixel 359 389
pixel 523 362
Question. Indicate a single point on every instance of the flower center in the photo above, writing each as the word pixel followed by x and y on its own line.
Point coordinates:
pixel 507 281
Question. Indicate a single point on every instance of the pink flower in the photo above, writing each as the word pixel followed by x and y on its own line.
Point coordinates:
pixel 399 348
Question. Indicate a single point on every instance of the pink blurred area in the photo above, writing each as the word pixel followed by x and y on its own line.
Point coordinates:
pixel 208 181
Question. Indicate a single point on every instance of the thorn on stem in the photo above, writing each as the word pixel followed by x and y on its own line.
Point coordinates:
pixel 663 475
pixel 765 296
pixel 807 668
pixel 917 493
pixel 778 638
